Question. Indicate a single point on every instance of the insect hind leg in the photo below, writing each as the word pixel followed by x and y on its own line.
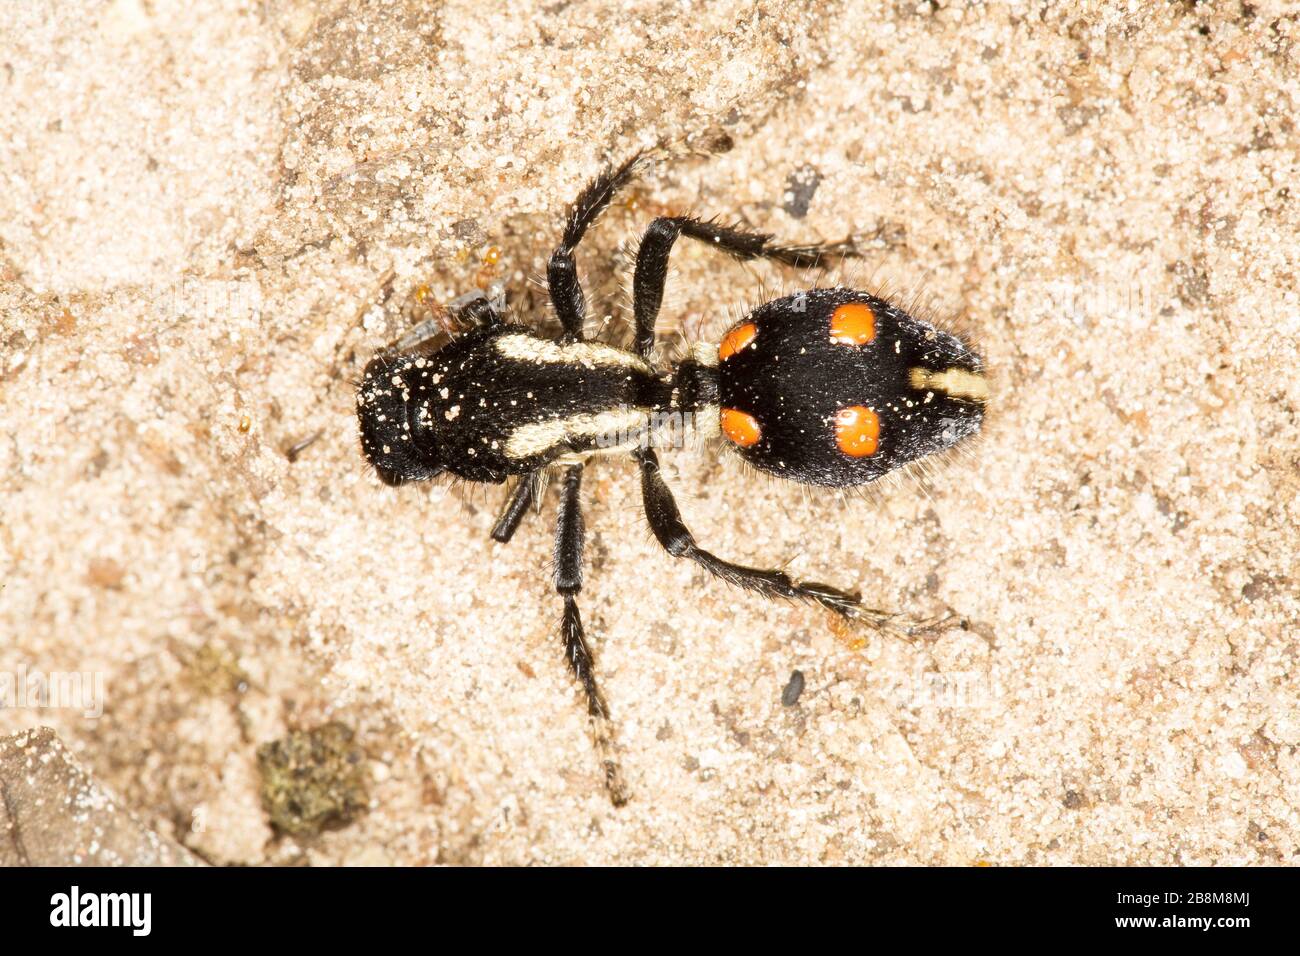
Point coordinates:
pixel 670 530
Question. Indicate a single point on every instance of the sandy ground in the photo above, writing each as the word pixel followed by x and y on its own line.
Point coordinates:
pixel 212 213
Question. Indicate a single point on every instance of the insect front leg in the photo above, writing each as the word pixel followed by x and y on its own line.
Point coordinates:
pixel 516 506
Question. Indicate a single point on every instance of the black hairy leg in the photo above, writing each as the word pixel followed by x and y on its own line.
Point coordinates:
pixel 666 522
pixel 562 271
pixel 652 261
pixel 516 506
pixel 569 538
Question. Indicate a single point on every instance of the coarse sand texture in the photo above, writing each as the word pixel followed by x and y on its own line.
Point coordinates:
pixel 212 214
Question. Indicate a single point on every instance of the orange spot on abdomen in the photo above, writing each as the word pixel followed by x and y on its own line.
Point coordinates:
pixel 741 428
pixel 853 323
pixel 737 339
pixel 857 431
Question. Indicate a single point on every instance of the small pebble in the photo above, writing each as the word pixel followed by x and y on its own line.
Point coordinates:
pixel 790 696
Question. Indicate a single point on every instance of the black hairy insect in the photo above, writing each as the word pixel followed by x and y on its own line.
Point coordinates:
pixel 832 387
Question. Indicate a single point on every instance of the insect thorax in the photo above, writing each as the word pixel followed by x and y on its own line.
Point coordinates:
pixel 501 401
